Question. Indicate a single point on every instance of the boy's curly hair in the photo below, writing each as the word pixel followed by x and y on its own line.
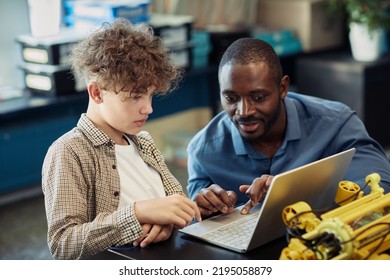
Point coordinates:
pixel 125 57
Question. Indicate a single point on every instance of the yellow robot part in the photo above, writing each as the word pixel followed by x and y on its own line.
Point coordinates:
pixel 299 215
pixel 358 229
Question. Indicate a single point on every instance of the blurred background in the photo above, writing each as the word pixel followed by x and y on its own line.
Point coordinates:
pixel 40 99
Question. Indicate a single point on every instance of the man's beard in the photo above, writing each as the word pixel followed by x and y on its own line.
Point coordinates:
pixel 267 124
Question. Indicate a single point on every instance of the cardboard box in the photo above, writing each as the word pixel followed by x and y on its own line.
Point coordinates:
pixel 316 28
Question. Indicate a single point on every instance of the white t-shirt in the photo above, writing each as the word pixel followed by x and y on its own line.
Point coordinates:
pixel 138 180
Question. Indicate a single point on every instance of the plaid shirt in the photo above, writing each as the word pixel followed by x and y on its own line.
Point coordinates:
pixel 80 182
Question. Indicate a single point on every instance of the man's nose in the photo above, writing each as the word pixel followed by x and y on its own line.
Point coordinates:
pixel 244 107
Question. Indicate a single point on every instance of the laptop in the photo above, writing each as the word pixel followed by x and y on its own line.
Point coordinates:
pixel 315 183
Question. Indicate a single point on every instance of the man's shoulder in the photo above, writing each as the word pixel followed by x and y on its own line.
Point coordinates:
pixel 218 128
pixel 316 106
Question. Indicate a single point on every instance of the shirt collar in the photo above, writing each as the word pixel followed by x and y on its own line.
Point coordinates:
pixel 94 134
pixel 293 131
pixel 238 141
pixel 97 136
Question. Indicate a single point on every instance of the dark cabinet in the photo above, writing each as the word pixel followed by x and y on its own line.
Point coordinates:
pixel 364 86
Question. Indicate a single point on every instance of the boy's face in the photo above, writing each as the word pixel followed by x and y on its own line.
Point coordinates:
pixel 122 114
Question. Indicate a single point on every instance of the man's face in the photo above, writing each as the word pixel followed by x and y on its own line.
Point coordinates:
pixel 252 98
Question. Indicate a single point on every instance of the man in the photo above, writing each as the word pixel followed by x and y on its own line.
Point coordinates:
pixel 265 130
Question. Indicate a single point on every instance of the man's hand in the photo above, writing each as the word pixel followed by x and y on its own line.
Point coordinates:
pixel 214 199
pixel 256 191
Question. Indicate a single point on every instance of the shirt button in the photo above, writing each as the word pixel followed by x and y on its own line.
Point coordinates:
pixel 113 166
pixel 116 193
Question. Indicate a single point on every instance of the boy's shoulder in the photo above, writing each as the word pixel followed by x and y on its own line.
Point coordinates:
pixel 143 139
pixel 144 136
pixel 71 139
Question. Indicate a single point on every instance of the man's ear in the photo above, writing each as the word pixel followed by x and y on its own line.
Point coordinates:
pixel 94 92
pixel 284 85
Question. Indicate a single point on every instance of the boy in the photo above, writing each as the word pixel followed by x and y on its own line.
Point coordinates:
pixel 105 182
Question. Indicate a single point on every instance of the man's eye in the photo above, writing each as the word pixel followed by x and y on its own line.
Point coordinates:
pixel 231 99
pixel 259 98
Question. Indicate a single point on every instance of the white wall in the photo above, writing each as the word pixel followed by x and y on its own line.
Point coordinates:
pixel 14 20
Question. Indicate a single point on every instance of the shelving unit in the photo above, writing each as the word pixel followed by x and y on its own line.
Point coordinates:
pixel 364 86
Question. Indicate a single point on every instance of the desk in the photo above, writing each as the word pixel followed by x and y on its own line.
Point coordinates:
pixel 183 247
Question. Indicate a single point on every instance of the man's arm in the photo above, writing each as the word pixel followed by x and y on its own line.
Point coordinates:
pixel 369 156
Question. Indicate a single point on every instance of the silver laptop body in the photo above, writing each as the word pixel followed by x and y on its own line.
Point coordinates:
pixel 315 183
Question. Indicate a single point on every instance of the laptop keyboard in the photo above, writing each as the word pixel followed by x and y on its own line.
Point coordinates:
pixel 236 234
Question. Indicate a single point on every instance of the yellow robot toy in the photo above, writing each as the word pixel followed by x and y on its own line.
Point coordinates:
pixel 358 228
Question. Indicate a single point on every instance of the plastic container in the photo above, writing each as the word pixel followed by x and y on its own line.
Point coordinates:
pixel 87 15
pixel 201 48
pixel 45 17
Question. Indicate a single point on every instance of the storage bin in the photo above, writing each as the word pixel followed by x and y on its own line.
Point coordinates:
pixel 282 40
pixel 181 55
pixel 51 80
pixel 51 50
pixel 201 48
pixel 173 29
pixel 86 15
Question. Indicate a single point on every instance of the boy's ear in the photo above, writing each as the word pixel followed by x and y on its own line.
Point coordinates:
pixel 94 92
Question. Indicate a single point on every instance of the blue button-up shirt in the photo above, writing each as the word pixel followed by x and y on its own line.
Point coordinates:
pixel 316 128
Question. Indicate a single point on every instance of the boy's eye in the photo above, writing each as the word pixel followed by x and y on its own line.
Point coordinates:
pixel 136 96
